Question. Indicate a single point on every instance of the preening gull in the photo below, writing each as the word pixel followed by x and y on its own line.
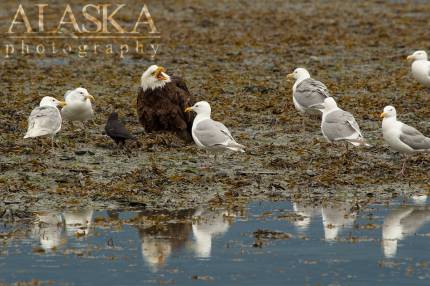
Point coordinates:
pixel 211 134
pixel 401 137
pixel 79 107
pixel 307 92
pixel 339 125
pixel 420 67
pixel 45 119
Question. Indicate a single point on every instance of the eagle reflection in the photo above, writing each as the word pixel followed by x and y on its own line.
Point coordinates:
pixel 159 241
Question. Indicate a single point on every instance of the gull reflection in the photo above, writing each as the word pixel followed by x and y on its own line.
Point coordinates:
pixel 399 224
pixel 207 225
pixel 306 213
pixel 49 229
pixel 78 223
pixel 337 217
pixel 419 199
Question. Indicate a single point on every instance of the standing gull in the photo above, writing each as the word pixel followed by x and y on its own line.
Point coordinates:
pixel 79 107
pixel 211 134
pixel 401 137
pixel 307 92
pixel 339 125
pixel 420 67
pixel 45 119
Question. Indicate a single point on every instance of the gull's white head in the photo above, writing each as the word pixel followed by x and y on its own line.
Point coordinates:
pixel 328 104
pixel 201 107
pixel 389 112
pixel 299 73
pixel 79 94
pixel 154 77
pixel 417 56
pixel 50 101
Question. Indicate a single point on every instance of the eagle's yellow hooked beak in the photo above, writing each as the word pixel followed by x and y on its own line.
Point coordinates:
pixel 410 58
pixel 159 73
pixel 188 109
pixel 383 114
pixel 89 96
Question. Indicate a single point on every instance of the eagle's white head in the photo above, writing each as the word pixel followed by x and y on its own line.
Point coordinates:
pixel 154 77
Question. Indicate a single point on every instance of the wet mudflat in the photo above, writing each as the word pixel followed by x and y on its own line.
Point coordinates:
pixel 273 243
pixel 235 54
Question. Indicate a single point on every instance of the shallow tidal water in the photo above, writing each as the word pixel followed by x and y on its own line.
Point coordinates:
pixel 264 243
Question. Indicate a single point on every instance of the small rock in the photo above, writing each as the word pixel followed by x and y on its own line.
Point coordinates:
pixel 310 173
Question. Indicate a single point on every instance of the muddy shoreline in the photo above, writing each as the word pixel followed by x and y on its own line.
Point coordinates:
pixel 236 56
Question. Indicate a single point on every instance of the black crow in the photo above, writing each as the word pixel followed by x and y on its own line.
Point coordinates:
pixel 116 130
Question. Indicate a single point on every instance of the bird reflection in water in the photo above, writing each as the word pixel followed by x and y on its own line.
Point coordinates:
pixel 207 225
pixel 401 223
pixel 335 217
pixel 53 228
pixel 159 241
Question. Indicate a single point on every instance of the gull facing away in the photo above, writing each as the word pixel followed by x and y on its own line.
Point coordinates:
pixel 420 67
pixel 45 119
pixel 79 107
pixel 401 137
pixel 307 92
pixel 339 125
pixel 211 134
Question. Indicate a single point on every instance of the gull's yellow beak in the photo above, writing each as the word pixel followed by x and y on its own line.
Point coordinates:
pixel 383 114
pixel 61 103
pixel 188 109
pixel 410 58
pixel 290 76
pixel 89 96
pixel 159 73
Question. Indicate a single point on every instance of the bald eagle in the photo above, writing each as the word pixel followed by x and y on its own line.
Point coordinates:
pixel 161 103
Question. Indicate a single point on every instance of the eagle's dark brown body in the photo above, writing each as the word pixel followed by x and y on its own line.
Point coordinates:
pixel 163 109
